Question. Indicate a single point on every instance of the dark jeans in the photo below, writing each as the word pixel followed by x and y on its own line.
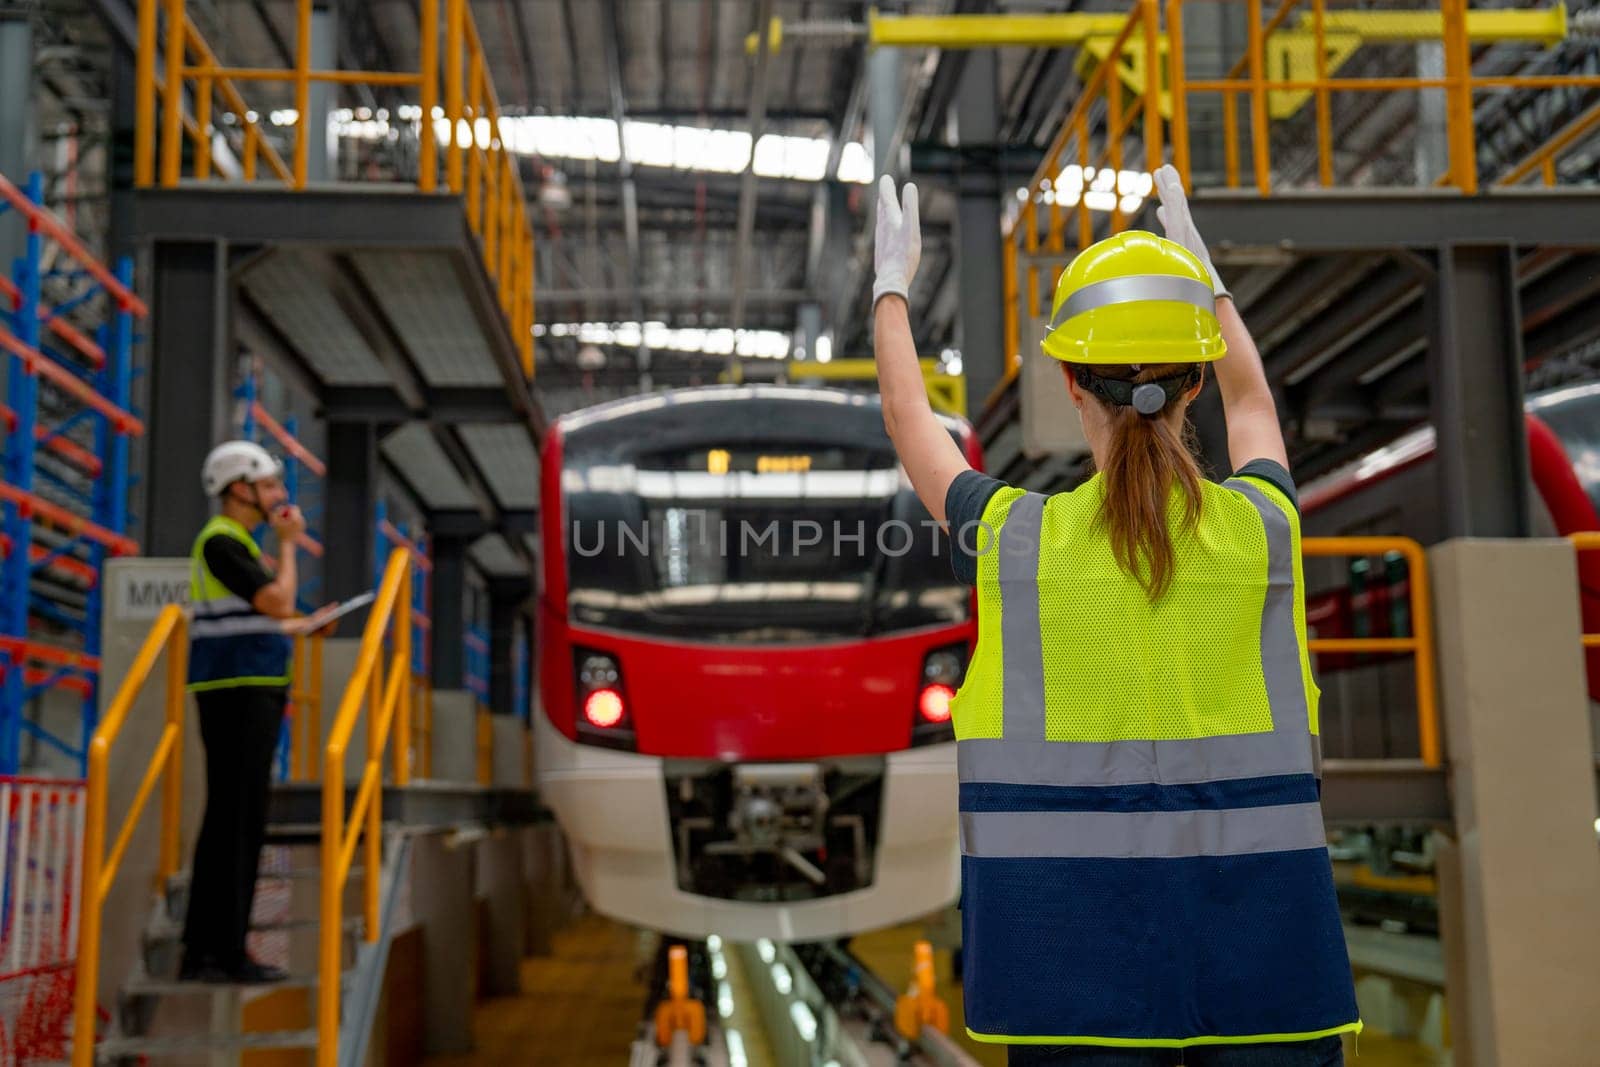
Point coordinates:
pixel 1323 1052
pixel 240 730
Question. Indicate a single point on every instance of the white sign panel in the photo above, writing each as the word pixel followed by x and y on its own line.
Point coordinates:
pixel 140 588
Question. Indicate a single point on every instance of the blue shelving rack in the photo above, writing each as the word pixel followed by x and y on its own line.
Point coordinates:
pixel 67 419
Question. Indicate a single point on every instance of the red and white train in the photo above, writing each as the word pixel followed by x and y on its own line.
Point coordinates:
pixel 750 635
pixel 1390 491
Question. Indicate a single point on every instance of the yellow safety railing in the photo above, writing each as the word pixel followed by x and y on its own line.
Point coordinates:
pixel 468 124
pixel 305 698
pixel 1587 542
pixel 169 636
pixel 1543 159
pixel 1419 645
pixel 385 691
pixel 1454 25
pixel 1139 83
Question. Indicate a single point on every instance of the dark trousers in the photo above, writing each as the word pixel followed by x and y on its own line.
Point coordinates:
pixel 1323 1052
pixel 240 730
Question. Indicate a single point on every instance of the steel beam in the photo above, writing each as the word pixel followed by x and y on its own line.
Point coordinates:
pixel 1383 220
pixel 190 388
pixel 1475 370
pixel 350 497
pixel 627 190
pixel 449 605
pixel 978 242
pixel 748 186
pixel 504 606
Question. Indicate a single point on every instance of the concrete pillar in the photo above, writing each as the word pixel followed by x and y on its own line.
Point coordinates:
pixel 322 164
pixel 885 97
pixel 351 509
pixel 1520 888
pixel 442 900
pixel 976 115
pixel 449 604
pixel 1475 370
pixel 17 126
pixel 500 885
pixel 190 388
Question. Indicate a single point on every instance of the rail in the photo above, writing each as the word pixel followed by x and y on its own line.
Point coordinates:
pixel 1587 542
pixel 169 635
pixel 386 694
pixel 478 165
pixel 1140 80
pixel 1419 645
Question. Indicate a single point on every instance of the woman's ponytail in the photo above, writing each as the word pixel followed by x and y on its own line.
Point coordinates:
pixel 1147 456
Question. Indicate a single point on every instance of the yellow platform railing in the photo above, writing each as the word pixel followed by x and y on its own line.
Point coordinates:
pixel 479 166
pixel 169 636
pixel 1419 645
pixel 384 691
pixel 1135 102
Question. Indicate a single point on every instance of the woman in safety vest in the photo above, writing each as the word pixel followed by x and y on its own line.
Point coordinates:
pixel 1144 873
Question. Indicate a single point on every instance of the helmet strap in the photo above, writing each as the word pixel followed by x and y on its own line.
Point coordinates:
pixel 1147 398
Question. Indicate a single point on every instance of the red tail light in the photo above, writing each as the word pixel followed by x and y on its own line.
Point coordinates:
pixel 934 703
pixel 604 708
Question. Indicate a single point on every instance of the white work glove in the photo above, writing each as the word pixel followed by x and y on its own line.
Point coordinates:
pixel 898 247
pixel 1179 224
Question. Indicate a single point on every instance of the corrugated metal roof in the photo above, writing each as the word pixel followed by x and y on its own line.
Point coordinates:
pixel 495 557
pixel 505 455
pixel 426 469
pixel 286 288
pixel 422 295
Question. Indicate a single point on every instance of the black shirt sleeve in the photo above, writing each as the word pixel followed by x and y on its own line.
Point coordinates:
pixel 964 504
pixel 232 564
pixel 1273 473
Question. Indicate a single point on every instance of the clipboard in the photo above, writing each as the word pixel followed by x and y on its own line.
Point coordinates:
pixel 323 616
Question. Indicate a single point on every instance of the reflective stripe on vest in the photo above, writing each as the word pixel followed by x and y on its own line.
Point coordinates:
pixel 230 642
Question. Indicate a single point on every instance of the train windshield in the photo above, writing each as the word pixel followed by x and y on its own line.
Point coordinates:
pixel 777 541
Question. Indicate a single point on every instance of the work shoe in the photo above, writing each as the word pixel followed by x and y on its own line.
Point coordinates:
pixel 252 973
pixel 204 969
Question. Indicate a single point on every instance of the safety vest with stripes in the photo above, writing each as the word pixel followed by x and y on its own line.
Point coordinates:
pixel 230 643
pixel 1143 855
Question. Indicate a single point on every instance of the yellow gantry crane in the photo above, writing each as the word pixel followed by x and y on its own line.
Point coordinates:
pixel 1290 45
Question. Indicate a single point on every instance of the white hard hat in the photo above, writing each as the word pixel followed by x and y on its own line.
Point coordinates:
pixel 237 461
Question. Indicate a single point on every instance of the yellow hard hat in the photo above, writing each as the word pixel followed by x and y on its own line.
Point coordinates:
pixel 1135 298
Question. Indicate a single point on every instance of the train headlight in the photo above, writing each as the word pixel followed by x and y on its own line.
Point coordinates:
pixel 933 704
pixel 604 708
pixel 942 671
pixel 603 717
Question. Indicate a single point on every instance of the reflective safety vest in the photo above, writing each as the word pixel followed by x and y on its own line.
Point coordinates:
pixel 230 642
pixel 1143 855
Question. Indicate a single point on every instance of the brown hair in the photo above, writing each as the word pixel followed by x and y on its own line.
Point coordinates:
pixel 1146 458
